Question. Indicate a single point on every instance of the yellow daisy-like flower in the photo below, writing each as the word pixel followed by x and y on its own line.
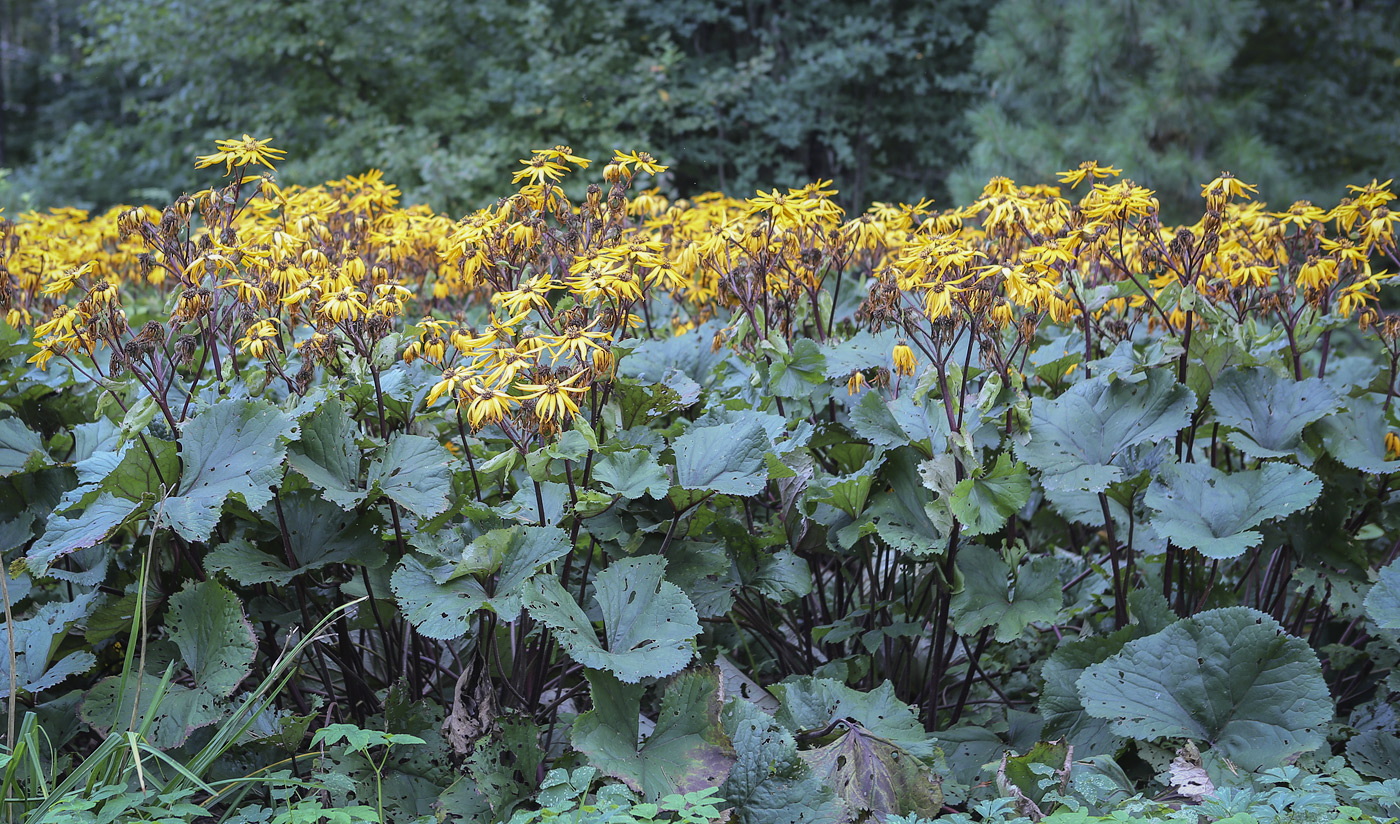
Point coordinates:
pixel 260 338
pixel 552 398
pixel 1392 446
pixel 347 304
pixel 486 406
pixel 245 152
pixel 643 161
pixel 451 379
pixel 1227 186
pixel 855 383
pixel 1088 170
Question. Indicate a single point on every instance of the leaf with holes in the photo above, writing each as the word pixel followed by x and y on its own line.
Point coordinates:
pixel 875 776
pixel 234 447
pixel 1079 440
pixel 1229 677
pixel 413 472
pixel 327 455
pixel 207 625
pixel 1269 412
pixel 215 641
pixel 727 458
pixel 686 751
pixel 810 704
pixel 769 782
pixel 648 623
pixel 1200 507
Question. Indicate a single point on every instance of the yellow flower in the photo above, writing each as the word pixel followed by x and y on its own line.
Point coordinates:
pixel 540 170
pixel 643 161
pixel 450 380
pixel 552 398
pixel 576 341
pixel 532 294
pixel 260 338
pixel 1317 273
pixel 347 304
pixel 244 152
pixel 1089 169
pixel 487 406
pixel 855 383
pixel 46 353
pixel 564 153
pixel 904 361
pixel 1392 446
pixel 1227 186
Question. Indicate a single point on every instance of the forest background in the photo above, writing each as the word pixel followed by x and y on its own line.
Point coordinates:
pixel 105 102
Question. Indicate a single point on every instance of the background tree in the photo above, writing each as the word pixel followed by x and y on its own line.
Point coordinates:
pixel 1296 96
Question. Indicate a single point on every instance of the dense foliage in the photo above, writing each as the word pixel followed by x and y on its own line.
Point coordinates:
pixel 318 507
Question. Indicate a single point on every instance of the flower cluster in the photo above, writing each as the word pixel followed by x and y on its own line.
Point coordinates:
pixel 518 306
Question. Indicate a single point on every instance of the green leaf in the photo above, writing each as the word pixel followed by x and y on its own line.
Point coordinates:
pixel 413 472
pixel 862 350
pixel 686 751
pixel 207 625
pixel 328 456
pixel 648 623
pixel 1357 439
pixel 769 782
pixel 794 375
pixel 1200 507
pixel 1079 439
pixel 847 493
pixel 1060 704
pixel 875 776
pixel 632 474
pixel 727 458
pixel 441 602
pixel 1269 412
pixel 811 704
pixel 982 503
pixel 319 534
pixel 991 597
pixel 68 533
pixel 36 640
pixel 436 610
pixel 145 468
pixel 1229 677
pixel 20 449
pixel 1021 776
pixel 1383 601
pixel 1375 753
pixel 231 448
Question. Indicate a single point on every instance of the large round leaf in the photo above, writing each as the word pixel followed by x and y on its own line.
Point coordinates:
pixel 1200 507
pixel 648 623
pixel 1079 439
pixel 1269 412
pixel 1228 677
pixel 727 458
